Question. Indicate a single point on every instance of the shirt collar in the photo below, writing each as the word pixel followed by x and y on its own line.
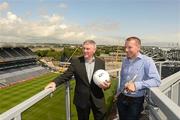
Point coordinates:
pixel 140 56
pixel 93 59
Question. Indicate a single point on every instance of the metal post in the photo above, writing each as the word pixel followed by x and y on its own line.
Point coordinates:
pixel 160 68
pixel 117 73
pixel 68 102
pixel 118 77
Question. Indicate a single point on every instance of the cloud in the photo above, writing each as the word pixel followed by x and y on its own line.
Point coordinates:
pixel 51 29
pixel 4 6
pixel 104 26
pixel 54 19
pixel 62 5
pixel 48 29
pixel 178 36
pixel 13 18
pixel 63 26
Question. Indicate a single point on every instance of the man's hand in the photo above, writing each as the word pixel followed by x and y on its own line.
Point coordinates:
pixel 51 85
pixel 105 85
pixel 130 87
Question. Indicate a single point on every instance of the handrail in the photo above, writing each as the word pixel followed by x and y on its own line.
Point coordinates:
pixel 161 64
pixel 169 80
pixel 167 61
pixel 166 105
pixel 17 110
pixel 166 108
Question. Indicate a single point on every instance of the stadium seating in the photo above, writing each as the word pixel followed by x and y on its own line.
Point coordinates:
pixel 17 64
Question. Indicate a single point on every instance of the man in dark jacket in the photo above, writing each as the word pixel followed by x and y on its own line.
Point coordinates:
pixel 87 94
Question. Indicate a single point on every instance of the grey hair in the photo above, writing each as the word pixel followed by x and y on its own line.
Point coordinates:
pixel 92 42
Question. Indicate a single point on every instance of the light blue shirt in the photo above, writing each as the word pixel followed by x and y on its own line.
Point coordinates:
pixel 147 75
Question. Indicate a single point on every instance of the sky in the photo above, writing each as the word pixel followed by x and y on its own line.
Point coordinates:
pixel 155 22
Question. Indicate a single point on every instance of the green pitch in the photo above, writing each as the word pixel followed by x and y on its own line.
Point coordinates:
pixel 50 108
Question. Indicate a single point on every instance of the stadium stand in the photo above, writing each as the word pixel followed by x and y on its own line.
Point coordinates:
pixel 18 64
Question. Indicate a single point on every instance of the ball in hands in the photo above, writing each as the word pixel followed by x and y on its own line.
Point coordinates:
pixel 101 76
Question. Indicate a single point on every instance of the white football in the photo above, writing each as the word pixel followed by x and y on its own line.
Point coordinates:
pixel 101 76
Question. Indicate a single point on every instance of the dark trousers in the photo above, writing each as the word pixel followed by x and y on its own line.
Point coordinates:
pixel 129 108
pixel 98 113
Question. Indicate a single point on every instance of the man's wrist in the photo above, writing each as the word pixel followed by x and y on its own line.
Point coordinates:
pixel 138 85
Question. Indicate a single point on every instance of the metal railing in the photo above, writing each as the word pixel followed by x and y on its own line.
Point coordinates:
pixel 166 98
pixel 15 112
pixel 161 63
pixel 68 101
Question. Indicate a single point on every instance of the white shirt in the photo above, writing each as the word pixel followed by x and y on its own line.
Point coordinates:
pixel 90 68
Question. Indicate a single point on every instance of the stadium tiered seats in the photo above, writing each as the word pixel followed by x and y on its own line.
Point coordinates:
pixel 16 53
pixel 16 57
pixel 28 51
pixel 21 51
pixel 23 74
pixel 3 54
pixel 12 52
pixel 17 64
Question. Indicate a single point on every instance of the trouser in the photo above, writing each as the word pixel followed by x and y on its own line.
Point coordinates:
pixel 129 108
pixel 98 113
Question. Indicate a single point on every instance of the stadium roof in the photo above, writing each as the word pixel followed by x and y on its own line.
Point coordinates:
pixel 3 44
pixel 7 44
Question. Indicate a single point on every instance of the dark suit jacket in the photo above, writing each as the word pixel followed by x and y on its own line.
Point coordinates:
pixel 84 91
